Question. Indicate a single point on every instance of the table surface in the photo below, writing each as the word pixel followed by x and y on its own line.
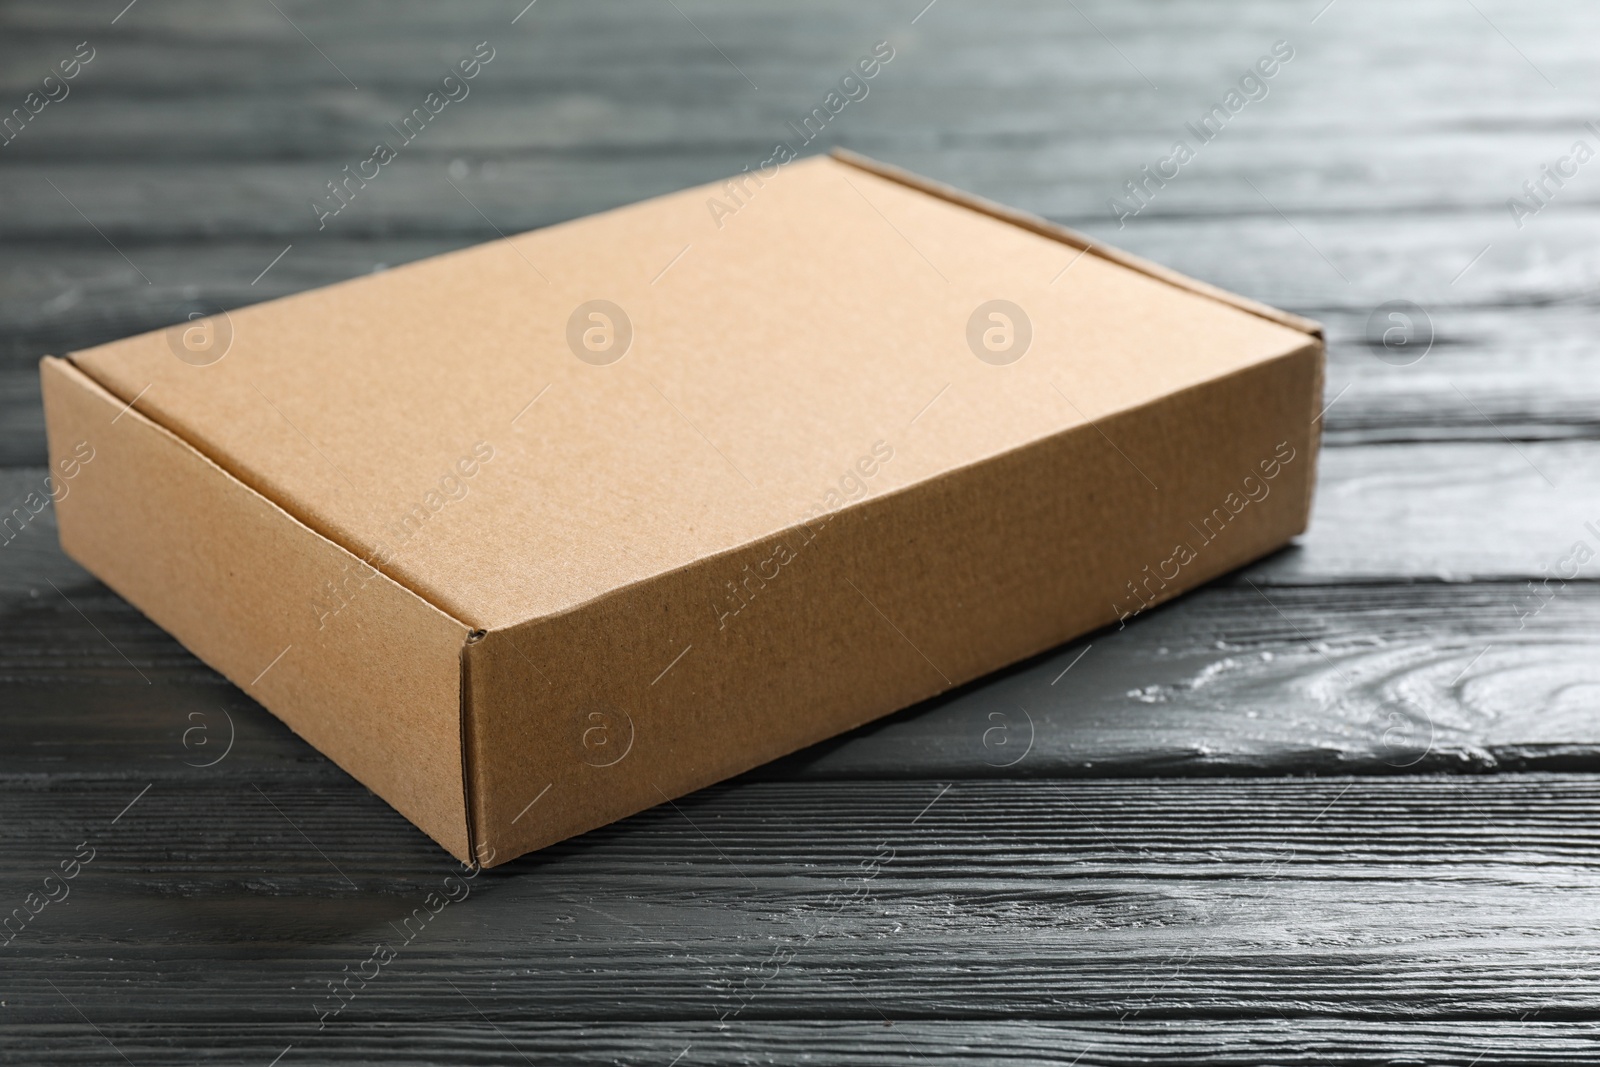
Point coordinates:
pixel 1340 806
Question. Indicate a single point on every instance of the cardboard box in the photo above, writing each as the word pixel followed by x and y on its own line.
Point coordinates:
pixel 535 535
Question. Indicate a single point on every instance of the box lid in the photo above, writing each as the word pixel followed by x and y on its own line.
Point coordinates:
pixel 518 428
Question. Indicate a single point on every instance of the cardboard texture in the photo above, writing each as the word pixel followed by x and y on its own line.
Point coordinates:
pixel 534 535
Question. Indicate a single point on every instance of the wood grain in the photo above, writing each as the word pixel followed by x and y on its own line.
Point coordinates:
pixel 1179 866
pixel 1328 902
pixel 868 1042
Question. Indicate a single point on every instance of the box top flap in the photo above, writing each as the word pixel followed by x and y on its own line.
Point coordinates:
pixel 517 428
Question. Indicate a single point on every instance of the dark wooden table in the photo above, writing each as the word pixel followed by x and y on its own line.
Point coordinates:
pixel 1342 806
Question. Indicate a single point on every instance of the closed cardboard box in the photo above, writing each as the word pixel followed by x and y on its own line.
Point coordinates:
pixel 537 534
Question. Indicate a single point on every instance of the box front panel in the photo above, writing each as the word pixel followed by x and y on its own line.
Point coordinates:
pixel 670 685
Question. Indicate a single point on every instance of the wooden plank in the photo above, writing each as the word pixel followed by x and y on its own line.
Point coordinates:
pixel 1045 136
pixel 1428 899
pixel 1521 372
pixel 1447 512
pixel 1062 84
pixel 513 1038
pixel 1367 679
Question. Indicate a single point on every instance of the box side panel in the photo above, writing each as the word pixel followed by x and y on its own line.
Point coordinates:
pixel 673 684
pixel 360 667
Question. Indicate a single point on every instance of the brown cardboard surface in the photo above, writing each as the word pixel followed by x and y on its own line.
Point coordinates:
pixel 800 354
pixel 591 715
pixel 375 686
pixel 1072 237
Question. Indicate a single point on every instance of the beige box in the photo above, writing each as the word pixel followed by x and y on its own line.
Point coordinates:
pixel 534 535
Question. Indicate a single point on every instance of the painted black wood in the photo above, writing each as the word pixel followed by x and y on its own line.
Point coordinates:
pixel 1337 807
pixel 1205 916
